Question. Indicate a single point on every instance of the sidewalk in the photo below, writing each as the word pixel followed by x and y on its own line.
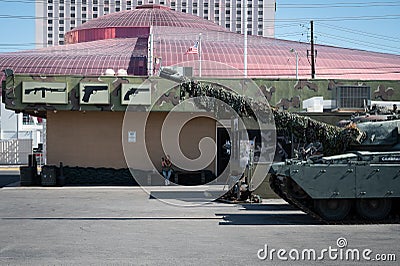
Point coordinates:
pixel 9 167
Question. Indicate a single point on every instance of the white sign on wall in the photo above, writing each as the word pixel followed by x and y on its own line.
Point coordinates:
pixel 132 136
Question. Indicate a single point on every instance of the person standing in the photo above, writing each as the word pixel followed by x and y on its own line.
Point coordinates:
pixel 166 169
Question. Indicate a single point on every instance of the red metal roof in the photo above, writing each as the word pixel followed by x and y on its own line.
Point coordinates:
pixel 222 52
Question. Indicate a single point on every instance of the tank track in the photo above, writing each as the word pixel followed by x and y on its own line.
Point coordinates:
pixel 307 206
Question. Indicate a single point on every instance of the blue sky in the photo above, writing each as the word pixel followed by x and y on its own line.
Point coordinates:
pixel 368 25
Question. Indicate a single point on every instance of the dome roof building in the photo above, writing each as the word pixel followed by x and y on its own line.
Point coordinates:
pixel 121 41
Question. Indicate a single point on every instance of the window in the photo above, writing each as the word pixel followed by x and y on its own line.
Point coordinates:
pixel 60 35
pixel 94 15
pixel 50 42
pixel 184 4
pixel 95 2
pixel 238 12
pixel 130 3
pixel 228 12
pixel 106 2
pixel 72 1
pixel 194 4
pixel 205 4
pixel 49 28
pixel 84 8
pixel 249 26
pixel 106 9
pixel 238 5
pixel 61 42
pixel 260 12
pixel 249 32
pixel 162 3
pixel 50 15
pixel 61 28
pixel 238 26
pixel 249 19
pixel 117 9
pixel 260 33
pixel 205 17
pixel 72 22
pixel 139 3
pixel 83 15
pixel 61 7
pixel 260 19
pixel 50 21
pixel 118 3
pixel 61 22
pixel 184 10
pixel 72 15
pixel 194 11
pixel 83 21
pixel 83 2
pixel 205 11
pixel 72 8
pixel 50 35
pixel 249 12
pixel 50 8
pixel 50 1
pixel 95 8
pixel 216 4
pixel 216 12
pixel 61 15
pixel 227 26
pixel 228 5
pixel 238 31
pixel 260 26
pixel 172 3
pixel 61 1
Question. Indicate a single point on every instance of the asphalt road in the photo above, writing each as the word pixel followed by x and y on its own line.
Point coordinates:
pixel 124 226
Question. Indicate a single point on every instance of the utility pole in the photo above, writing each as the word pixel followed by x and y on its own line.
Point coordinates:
pixel 312 51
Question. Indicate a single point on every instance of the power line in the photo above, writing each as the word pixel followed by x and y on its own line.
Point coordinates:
pixel 358 32
pixel 371 45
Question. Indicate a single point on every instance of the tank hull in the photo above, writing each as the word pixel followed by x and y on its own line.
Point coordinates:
pixel 349 187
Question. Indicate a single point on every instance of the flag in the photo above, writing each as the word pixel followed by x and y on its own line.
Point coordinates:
pixel 193 49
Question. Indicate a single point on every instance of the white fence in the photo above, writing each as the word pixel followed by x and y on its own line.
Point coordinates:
pixel 15 151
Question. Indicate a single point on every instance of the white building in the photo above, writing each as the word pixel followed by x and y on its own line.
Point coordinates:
pixel 60 16
pixel 19 133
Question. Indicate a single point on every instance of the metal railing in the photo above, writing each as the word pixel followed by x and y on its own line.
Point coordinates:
pixel 15 151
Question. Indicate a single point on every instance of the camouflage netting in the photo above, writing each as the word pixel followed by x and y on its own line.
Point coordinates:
pixel 334 139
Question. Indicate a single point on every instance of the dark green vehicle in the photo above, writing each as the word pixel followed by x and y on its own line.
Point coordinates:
pixel 361 184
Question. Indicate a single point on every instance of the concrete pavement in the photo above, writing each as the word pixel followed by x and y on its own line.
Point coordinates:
pixel 125 226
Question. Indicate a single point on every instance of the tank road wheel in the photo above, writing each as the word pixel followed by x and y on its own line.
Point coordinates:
pixel 373 209
pixel 333 209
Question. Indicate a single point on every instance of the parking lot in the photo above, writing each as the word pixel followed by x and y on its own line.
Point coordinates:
pixel 125 225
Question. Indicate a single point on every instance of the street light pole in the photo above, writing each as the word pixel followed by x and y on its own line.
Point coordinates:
pixel 297 61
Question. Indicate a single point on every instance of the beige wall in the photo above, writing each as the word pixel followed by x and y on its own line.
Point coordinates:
pixel 94 139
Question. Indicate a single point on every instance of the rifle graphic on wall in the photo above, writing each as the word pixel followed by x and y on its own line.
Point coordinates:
pixel 133 91
pixel 88 90
pixel 43 90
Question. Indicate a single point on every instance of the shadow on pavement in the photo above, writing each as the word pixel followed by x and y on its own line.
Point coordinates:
pixel 268 207
pixel 267 219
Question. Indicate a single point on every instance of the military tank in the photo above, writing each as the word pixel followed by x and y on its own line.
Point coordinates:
pixel 360 184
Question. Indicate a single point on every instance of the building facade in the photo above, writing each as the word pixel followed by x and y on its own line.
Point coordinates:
pixel 61 16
